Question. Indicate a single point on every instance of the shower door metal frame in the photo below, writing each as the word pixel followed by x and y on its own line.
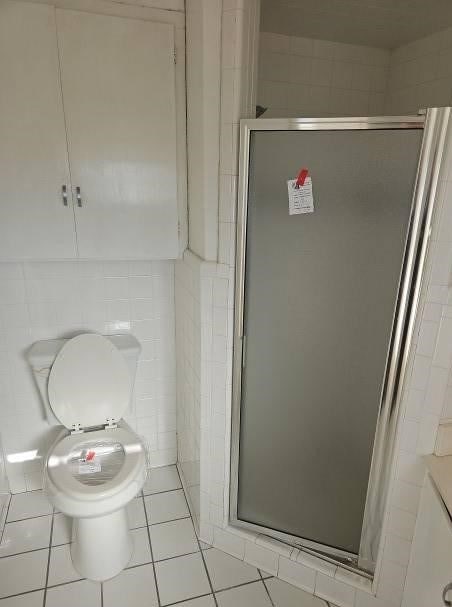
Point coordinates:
pixel 434 122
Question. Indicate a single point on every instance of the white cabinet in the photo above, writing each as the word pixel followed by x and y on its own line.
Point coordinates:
pixel 430 566
pixel 33 152
pixel 86 100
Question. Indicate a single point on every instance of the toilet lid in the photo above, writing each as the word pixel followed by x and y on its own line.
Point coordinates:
pixel 89 382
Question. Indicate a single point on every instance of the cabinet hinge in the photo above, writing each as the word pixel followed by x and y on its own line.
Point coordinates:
pixel 175 55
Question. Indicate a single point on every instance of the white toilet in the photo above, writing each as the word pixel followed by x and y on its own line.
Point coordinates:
pixel 97 464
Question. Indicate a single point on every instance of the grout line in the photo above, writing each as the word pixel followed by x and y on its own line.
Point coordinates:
pixel 13 596
pixel 29 518
pixel 193 598
pixel 170 558
pixel 48 561
pixel 267 590
pixel 239 585
pixel 160 492
pixel 199 546
pixel 152 554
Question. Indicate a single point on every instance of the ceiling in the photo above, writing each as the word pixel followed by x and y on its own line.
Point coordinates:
pixel 382 23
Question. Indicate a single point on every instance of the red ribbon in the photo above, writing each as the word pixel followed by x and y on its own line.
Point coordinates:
pixel 301 178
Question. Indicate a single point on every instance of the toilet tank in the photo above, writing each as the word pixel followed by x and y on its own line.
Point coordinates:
pixel 41 356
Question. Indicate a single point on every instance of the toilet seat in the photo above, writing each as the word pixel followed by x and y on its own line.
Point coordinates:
pixel 61 475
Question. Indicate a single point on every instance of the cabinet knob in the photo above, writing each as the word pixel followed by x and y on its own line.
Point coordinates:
pixel 78 196
pixel 446 590
pixel 64 194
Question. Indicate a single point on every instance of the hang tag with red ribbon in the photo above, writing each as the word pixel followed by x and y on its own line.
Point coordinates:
pixel 301 199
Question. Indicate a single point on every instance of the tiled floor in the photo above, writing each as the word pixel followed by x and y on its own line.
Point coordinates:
pixel 169 565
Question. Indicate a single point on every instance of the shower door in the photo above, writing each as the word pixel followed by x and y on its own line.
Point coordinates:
pixel 325 301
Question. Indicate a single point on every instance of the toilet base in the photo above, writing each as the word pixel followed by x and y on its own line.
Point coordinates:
pixel 101 546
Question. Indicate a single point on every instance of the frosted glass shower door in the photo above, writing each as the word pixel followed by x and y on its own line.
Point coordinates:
pixel 319 297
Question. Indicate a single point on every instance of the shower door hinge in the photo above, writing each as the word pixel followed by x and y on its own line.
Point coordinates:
pixel 175 55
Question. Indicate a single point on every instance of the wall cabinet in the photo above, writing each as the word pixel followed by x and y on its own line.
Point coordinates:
pixel 430 566
pixel 87 102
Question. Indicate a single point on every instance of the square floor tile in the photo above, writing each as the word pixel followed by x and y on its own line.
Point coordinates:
pixel 61 569
pixel 135 513
pixel 27 505
pixel 286 595
pixel 226 571
pixel 77 594
pixel 161 479
pixel 12 572
pixel 181 578
pixel 29 534
pixel 132 587
pixel 250 595
pixel 166 506
pixel 141 548
pixel 62 530
pixel 173 539
pixel 203 601
pixel 31 599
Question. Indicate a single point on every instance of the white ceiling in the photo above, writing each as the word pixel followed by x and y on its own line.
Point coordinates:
pixel 383 23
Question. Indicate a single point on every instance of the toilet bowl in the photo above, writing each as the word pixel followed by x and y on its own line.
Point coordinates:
pixel 97 463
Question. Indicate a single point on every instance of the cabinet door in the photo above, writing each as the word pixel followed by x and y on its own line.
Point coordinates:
pixel 34 223
pixel 118 82
pixel 431 556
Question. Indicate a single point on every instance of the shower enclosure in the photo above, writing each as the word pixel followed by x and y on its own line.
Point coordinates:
pixel 324 313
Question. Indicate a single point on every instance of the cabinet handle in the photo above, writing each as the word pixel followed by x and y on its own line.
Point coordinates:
pixel 78 196
pixel 64 194
pixel 447 588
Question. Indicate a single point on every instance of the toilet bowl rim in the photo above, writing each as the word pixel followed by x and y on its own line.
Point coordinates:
pixel 62 480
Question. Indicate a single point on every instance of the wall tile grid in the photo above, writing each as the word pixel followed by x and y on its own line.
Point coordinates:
pixel 188 389
pixel 427 396
pixel 303 76
pixel 60 299
pixel 420 74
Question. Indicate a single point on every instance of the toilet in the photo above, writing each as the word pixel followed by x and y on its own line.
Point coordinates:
pixel 97 463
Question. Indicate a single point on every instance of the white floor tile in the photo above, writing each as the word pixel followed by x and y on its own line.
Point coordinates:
pixel 286 595
pixel 203 601
pixel 75 595
pixel 62 530
pixel 181 578
pixel 135 513
pixel 29 534
pixel 61 569
pixel 32 599
pixel 12 568
pixel 161 479
pixel 250 595
pixel 27 505
pixel 141 549
pixel 132 587
pixel 173 539
pixel 226 571
pixel 167 506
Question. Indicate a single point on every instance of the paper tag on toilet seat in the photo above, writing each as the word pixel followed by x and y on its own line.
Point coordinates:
pixel 89 467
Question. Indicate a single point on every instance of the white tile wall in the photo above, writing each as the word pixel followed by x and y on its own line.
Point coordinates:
pixel 60 299
pixel 420 74
pixel 307 77
pixel 188 347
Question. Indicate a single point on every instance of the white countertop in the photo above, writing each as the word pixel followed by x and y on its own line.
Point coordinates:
pixel 440 469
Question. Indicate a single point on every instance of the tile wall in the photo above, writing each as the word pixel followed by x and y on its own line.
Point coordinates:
pixel 60 299
pixel 420 74
pixel 303 76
